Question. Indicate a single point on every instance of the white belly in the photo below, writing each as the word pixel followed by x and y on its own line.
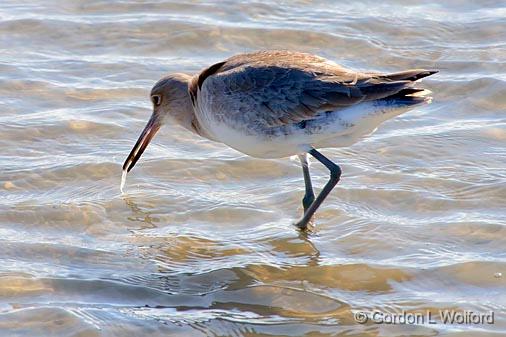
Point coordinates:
pixel 339 128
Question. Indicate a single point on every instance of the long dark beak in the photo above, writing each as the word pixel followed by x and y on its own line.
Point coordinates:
pixel 147 134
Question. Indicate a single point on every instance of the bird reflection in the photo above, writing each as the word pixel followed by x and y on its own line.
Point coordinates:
pixel 139 215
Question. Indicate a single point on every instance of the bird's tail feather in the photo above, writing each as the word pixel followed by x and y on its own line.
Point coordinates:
pixel 409 75
pixel 409 96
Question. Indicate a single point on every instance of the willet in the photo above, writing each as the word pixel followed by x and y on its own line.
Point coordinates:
pixel 274 104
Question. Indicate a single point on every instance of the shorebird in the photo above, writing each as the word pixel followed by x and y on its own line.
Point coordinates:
pixel 274 104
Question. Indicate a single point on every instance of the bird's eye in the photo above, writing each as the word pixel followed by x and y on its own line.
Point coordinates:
pixel 156 99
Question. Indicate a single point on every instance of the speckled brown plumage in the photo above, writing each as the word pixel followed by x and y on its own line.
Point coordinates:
pixel 275 88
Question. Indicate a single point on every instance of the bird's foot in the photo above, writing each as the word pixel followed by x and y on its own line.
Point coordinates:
pixel 303 224
pixel 307 201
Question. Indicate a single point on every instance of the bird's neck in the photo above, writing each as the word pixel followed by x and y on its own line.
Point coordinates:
pixel 188 118
pixel 191 110
pixel 197 128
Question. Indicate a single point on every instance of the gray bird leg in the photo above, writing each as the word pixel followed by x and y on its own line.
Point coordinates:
pixel 335 174
pixel 309 195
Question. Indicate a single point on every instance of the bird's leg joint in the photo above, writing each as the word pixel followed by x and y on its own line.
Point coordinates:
pixel 335 170
pixel 335 173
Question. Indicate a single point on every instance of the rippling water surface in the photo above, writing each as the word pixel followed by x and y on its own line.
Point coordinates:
pixel 202 244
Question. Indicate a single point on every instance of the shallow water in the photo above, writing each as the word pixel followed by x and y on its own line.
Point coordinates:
pixel 202 243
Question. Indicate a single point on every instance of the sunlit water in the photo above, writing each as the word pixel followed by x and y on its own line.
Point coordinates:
pixel 202 243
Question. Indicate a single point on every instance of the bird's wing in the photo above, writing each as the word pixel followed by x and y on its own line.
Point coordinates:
pixel 276 92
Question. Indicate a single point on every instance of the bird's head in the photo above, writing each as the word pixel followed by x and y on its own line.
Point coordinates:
pixel 171 103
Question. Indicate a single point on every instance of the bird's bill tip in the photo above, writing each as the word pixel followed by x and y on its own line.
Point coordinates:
pixel 147 134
